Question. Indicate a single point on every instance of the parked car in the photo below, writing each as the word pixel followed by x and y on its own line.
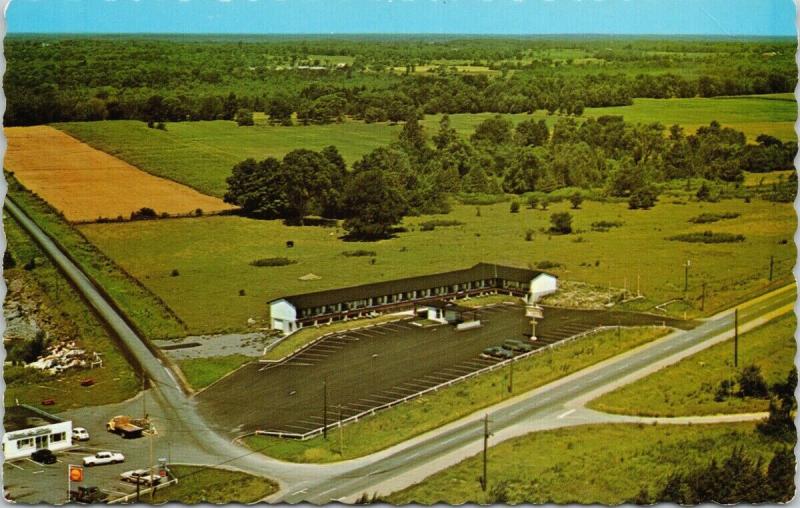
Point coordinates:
pixel 80 434
pixel 102 458
pixel 87 495
pixel 141 476
pixel 43 456
pixel 517 345
pixel 497 352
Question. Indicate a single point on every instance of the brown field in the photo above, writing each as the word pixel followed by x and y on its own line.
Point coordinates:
pixel 86 184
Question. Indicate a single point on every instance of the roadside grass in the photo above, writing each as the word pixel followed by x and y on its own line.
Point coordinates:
pixel 760 179
pixel 309 334
pixel 593 464
pixel 201 372
pixel 150 314
pixel 213 486
pixel 431 411
pixel 688 387
pixel 213 254
pixel 201 154
pixel 115 381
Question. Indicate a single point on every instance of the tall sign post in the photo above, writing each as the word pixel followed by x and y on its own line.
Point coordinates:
pixel 74 475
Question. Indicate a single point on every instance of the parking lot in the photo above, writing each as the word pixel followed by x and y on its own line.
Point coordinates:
pixel 29 482
pixel 362 369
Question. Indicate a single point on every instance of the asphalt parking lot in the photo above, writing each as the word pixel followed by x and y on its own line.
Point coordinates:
pixel 29 482
pixel 367 368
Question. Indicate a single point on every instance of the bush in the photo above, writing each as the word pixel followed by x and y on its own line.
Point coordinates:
pixel 643 198
pixel 533 202
pixel 433 224
pixel 174 272
pixel 576 200
pixel 514 207
pixel 481 199
pixel 548 265
pixel 358 253
pixel 8 260
pixel 144 213
pixel 161 126
pixel 529 235
pixel 605 225
pixel 707 237
pixel 561 223
pixel 751 382
pixel 273 262
pixel 706 218
pixel 244 117
pixel 30 265
pixel 198 212
pixel 242 292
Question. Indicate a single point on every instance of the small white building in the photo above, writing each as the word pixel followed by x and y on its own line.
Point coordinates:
pixel 291 313
pixel 28 429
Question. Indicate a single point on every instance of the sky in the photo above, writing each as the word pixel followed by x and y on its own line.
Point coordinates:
pixel 707 17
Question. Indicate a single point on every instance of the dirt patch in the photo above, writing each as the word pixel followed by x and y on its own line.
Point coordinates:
pixel 87 184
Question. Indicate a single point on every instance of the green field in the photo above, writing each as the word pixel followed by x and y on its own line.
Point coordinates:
pixel 62 307
pixel 213 486
pixel 688 387
pixel 596 464
pixel 201 154
pixel 426 413
pixel 213 254
pixel 201 372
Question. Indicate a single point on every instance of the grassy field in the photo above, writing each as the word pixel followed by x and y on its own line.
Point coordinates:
pixel 201 154
pixel 213 486
pixel 688 387
pixel 201 372
pixel 114 382
pixel 151 315
pixel 431 411
pixel 597 464
pixel 213 254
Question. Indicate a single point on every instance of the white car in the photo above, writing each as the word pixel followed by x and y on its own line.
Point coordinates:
pixel 141 476
pixel 102 458
pixel 80 434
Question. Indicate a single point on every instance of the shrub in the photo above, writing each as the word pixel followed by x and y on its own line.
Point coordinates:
pixel 8 260
pixel 161 126
pixel 605 225
pixel 144 213
pixel 548 265
pixel 273 262
pixel 529 235
pixel 514 207
pixel 707 237
pixel 242 292
pixel 30 265
pixel 174 272
pixel 576 200
pixel 533 202
pixel 751 382
pixel 643 198
pixel 706 218
pixel 561 223
pixel 358 253
pixel 198 212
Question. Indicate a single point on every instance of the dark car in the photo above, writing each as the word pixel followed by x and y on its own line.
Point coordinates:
pixel 497 352
pixel 87 495
pixel 43 456
pixel 517 345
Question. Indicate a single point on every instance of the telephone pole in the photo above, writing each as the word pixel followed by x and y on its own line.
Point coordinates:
pixel 511 377
pixel 484 478
pixel 703 297
pixel 686 275
pixel 324 409
pixel 736 338
pixel 771 266
pixel 341 438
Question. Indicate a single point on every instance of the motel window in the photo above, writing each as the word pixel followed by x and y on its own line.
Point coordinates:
pixel 60 436
pixel 24 443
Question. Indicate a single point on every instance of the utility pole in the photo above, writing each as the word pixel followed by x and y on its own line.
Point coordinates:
pixel 144 396
pixel 703 297
pixel 511 377
pixel 341 439
pixel 771 266
pixel 484 479
pixel 324 409
pixel 686 275
pixel 152 490
pixel 736 337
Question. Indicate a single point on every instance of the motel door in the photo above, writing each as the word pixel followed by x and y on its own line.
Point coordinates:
pixel 41 442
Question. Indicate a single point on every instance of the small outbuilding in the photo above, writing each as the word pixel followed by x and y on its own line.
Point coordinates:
pixel 28 429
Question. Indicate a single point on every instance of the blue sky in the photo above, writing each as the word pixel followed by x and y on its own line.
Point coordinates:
pixel 717 17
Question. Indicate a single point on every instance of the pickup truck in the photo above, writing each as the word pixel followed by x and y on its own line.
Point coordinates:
pixel 140 476
pixel 102 458
pixel 127 426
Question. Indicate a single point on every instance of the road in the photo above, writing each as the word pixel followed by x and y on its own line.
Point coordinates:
pixel 187 438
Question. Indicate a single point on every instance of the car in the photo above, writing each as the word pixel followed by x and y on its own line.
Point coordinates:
pixel 80 434
pixel 497 352
pixel 43 456
pixel 517 345
pixel 87 495
pixel 102 458
pixel 141 476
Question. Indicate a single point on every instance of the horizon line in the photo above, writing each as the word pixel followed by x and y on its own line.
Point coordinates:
pixel 422 34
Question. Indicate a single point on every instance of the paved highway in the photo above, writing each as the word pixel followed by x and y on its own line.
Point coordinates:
pixel 188 438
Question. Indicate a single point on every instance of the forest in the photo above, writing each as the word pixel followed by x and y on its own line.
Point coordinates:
pixel 319 79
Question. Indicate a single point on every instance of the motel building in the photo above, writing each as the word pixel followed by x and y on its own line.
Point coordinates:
pixel 28 429
pixel 433 292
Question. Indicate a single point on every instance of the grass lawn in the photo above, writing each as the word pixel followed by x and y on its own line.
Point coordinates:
pixel 150 314
pixel 63 308
pixel 201 372
pixel 407 420
pixel 688 387
pixel 201 154
pixel 213 254
pixel 595 464
pixel 213 486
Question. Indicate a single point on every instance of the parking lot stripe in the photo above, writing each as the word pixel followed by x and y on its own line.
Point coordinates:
pixel 16 466
pixel 375 330
pixel 360 333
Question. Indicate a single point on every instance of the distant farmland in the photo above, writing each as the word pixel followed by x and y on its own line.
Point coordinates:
pixel 201 154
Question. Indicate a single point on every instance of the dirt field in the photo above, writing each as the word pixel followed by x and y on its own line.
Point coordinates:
pixel 86 184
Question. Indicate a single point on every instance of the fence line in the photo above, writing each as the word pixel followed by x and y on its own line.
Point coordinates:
pixel 125 499
pixel 370 412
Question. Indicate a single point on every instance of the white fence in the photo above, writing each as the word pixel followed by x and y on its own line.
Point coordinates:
pixel 142 492
pixel 370 412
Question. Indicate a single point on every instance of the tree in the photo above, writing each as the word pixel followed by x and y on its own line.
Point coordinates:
pixel 446 135
pixel 531 133
pixel 372 205
pixel 561 223
pixel 576 200
pixel 780 476
pixel 244 117
pixel 526 169
pixel 751 382
pixel 494 131
pixel 643 198
pixel 412 139
pixel 514 207
pixel 258 188
pixel 306 178
pixel 279 110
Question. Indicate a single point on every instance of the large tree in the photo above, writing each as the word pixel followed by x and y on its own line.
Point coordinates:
pixel 372 205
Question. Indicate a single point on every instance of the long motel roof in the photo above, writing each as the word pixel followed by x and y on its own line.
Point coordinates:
pixel 481 271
